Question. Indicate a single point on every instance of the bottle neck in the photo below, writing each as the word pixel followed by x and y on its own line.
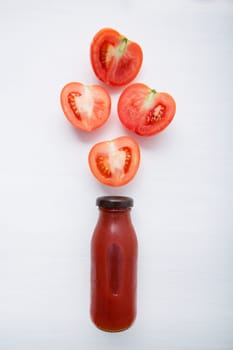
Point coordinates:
pixel 115 210
pixel 115 214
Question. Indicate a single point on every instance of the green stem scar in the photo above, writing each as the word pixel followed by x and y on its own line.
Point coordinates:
pixel 123 45
pixel 151 95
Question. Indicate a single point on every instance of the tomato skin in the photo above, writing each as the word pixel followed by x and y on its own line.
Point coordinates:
pixel 86 107
pixel 145 111
pixel 115 162
pixel 115 60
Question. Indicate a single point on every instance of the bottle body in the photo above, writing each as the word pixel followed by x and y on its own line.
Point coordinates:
pixel 114 251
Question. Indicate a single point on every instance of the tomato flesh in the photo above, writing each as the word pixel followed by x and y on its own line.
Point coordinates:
pixel 115 59
pixel 86 107
pixel 115 162
pixel 145 111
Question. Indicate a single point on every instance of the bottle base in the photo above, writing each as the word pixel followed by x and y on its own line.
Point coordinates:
pixel 114 330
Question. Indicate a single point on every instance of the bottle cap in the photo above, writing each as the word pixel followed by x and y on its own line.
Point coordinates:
pixel 114 202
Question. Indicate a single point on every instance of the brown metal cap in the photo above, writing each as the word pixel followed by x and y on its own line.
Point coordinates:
pixel 120 202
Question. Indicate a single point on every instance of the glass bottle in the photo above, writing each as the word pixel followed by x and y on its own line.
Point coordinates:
pixel 114 251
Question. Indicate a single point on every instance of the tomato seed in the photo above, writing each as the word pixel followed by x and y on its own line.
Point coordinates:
pixel 103 168
pixel 128 158
pixel 104 55
pixel 71 100
pixel 155 115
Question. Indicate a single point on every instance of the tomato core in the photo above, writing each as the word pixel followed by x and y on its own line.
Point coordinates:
pixel 114 160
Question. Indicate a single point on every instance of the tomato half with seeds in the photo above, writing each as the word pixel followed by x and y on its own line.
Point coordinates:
pixel 115 59
pixel 115 162
pixel 144 110
pixel 86 107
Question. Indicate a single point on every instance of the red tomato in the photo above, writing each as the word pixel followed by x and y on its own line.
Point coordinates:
pixel 86 107
pixel 115 59
pixel 145 111
pixel 115 162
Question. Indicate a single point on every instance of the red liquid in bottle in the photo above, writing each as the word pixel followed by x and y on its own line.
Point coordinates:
pixel 114 265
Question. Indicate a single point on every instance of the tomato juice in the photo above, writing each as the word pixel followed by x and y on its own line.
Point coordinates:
pixel 114 265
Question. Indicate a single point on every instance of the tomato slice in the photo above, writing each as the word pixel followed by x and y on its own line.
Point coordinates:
pixel 115 59
pixel 115 162
pixel 86 107
pixel 145 111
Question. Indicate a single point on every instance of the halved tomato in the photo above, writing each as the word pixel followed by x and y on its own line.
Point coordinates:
pixel 145 111
pixel 115 162
pixel 115 59
pixel 86 107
